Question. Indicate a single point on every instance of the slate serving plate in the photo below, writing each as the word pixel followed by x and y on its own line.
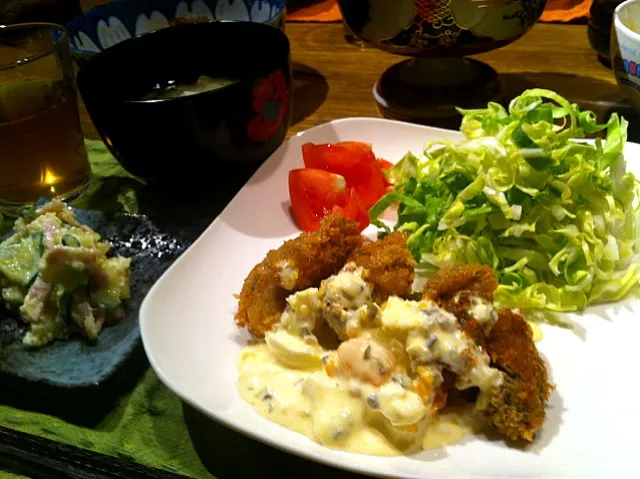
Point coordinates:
pixel 67 367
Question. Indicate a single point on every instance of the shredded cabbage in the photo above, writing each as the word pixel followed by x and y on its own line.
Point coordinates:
pixel 557 217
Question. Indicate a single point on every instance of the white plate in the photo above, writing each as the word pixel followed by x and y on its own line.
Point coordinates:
pixel 190 338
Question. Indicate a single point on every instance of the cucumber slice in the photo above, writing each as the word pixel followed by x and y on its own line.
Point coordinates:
pixel 37 239
pixel 70 240
pixel 20 261
pixel 106 298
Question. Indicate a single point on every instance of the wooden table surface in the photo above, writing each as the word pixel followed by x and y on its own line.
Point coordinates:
pixel 334 79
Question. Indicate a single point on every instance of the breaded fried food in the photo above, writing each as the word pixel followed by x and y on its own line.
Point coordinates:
pixel 454 289
pixel 478 279
pixel 389 266
pixel 517 407
pixel 261 301
pixel 298 264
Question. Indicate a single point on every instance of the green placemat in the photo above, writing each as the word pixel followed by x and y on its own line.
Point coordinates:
pixel 10 475
pixel 147 426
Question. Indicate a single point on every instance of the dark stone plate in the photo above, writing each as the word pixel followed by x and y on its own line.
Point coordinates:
pixel 67 367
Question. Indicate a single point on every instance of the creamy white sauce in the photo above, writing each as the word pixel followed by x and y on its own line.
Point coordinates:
pixel 346 302
pixel 537 332
pixel 329 412
pixel 484 313
pixel 288 276
pixel 433 339
pixel 451 427
pixel 376 393
pixel 310 402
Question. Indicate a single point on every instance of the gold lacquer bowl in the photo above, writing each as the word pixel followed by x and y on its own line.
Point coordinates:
pixel 437 34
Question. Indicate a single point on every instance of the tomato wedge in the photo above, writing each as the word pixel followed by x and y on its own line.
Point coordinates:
pixel 384 164
pixel 315 193
pixel 354 161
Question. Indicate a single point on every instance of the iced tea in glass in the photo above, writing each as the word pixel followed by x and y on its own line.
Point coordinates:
pixel 42 151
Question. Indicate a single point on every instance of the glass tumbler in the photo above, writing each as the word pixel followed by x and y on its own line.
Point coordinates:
pixel 42 151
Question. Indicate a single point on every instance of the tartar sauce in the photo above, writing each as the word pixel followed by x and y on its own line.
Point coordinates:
pixel 377 393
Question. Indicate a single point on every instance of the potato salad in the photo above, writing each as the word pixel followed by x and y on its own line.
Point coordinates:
pixel 55 273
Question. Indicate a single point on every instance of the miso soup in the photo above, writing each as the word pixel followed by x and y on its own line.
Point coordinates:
pixel 173 89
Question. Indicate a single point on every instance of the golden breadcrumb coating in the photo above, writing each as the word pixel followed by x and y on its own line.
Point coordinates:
pixel 389 266
pixel 298 264
pixel 517 408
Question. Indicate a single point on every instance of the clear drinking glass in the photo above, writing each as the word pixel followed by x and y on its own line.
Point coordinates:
pixel 42 151
pixel 50 11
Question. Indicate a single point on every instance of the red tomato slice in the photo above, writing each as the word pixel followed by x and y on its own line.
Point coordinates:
pixel 353 160
pixel 384 164
pixel 354 209
pixel 315 193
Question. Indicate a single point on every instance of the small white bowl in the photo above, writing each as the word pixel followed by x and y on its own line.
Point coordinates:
pixel 625 49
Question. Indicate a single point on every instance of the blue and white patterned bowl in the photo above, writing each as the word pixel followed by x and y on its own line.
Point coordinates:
pixel 625 49
pixel 119 20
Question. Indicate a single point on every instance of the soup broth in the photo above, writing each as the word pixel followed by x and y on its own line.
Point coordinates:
pixel 175 89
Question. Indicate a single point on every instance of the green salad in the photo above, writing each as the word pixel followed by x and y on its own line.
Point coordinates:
pixel 555 215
